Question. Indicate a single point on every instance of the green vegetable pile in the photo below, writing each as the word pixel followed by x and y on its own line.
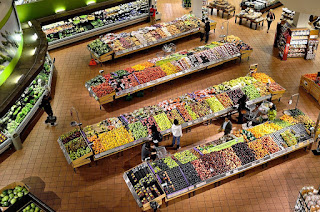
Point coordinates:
pixel 77 148
pixel 251 92
pixel 10 196
pixel 138 130
pixel 99 47
pixel 281 123
pixel 32 208
pixel 170 162
pixel 185 157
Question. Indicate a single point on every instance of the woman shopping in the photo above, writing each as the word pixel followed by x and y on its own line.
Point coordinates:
pixel 270 17
pixel 156 136
pixel 177 133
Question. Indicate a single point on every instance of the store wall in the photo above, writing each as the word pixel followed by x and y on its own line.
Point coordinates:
pixel 45 8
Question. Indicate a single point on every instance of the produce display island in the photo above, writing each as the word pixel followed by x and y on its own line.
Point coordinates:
pixel 83 26
pixel 112 46
pixel 117 134
pixel 16 119
pixel 260 5
pixel 310 83
pixel 107 88
pixel 195 168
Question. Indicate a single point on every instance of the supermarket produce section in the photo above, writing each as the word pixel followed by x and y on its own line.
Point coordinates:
pixel 106 88
pixel 130 129
pixel 192 169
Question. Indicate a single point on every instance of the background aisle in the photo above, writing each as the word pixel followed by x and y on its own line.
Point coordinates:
pixel 101 188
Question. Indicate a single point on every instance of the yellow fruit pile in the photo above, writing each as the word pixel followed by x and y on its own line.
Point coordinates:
pixel 111 139
pixel 264 129
pixel 258 148
pixel 168 68
pixel 138 67
pixel 289 119
pixel 262 77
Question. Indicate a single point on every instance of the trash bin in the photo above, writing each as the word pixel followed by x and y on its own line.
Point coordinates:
pixel 16 141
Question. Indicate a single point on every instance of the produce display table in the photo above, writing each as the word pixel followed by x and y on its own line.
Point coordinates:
pixel 117 134
pixel 257 21
pixel 24 201
pixel 86 25
pixel 7 131
pixel 308 83
pixel 116 45
pixel 215 161
pixel 106 88
pixel 247 4
pixel 224 6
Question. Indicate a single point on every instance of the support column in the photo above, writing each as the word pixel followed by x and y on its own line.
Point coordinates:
pixel 301 20
pixel 196 6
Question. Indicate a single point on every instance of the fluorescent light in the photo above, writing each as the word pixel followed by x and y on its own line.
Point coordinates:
pixel 18 79
pixel 29 23
pixel 33 51
pixel 60 10
pixel 34 36
pixel 91 2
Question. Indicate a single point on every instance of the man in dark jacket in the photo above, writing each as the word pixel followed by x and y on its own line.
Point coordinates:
pixel 226 126
pixel 207 29
pixel 46 106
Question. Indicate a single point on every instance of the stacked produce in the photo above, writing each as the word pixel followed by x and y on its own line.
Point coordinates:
pixel 289 119
pixel 269 144
pixel 251 92
pixel 158 68
pixel 289 138
pixel 75 144
pixel 274 87
pixel 231 158
pixel 10 196
pixel 33 93
pixel 174 114
pixel 78 24
pixel 138 130
pixel 111 139
pixel 190 173
pixel 144 36
pixel 162 121
pixel 235 95
pixel 225 100
pixel 261 87
pixel 3 137
pixel 245 154
pixel 144 183
pixel 258 148
pixel 203 171
pixel 264 129
pixel 262 77
pixel 185 157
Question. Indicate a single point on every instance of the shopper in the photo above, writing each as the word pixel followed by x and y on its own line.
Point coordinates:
pixel 270 17
pixel 226 127
pixel 202 29
pixel 177 133
pixel 46 106
pixel 242 106
pixel 147 152
pixel 153 15
pixel 272 113
pixel 207 30
pixel 156 136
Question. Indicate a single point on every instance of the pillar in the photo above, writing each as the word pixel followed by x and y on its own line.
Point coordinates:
pixel 301 20
pixel 196 6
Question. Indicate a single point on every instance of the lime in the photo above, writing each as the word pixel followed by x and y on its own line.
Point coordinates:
pixel 33 205
pixel 20 194
pixel 28 207
pixel 13 201
pixel 5 198
pixel 6 204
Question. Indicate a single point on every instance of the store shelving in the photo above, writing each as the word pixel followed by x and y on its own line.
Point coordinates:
pixel 287 14
pixel 45 78
pixel 98 22
pixel 294 42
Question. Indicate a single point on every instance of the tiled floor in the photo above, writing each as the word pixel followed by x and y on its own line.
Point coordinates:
pixel 43 167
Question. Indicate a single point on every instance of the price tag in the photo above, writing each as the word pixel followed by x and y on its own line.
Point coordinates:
pixel 190 123
pixel 200 184
pixel 196 121
pixel 215 114
pixel 205 118
pixel 300 144
pixel 293 147
pixel 191 188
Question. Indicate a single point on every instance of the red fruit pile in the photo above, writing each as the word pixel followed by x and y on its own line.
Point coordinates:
pixel 185 115
pixel 102 89
pixel 201 170
pixel 149 74
pixel 269 144
pixel 275 87
pixel 225 100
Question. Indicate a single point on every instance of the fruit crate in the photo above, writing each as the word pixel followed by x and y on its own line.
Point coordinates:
pixel 107 98
pixel 12 186
pixel 306 83
pixel 246 53
pixel 146 206
pixel 315 91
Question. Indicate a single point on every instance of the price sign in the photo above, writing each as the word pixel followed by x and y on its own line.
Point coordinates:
pixel 190 123
pixel 205 118
pixel 200 184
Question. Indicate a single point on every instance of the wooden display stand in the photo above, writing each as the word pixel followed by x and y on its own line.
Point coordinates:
pixel 315 91
pixel 245 54
pixel 108 98
pixel 306 83
pixel 277 94
pixel 12 186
